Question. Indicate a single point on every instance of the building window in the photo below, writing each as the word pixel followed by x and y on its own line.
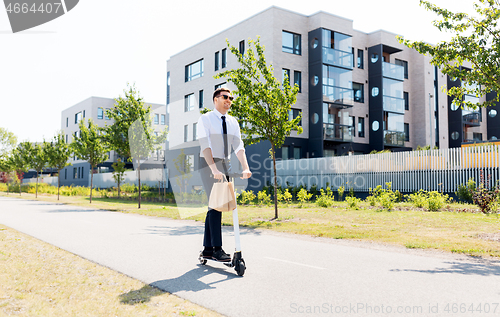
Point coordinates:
pixel 290 42
pixel 75 173
pixel 100 114
pixel 157 119
pixel 294 113
pixel 194 70
pixel 352 123
pixel 189 102
pixel 67 121
pixel 361 127
pixel 360 58
pixel 407 100
pixel 242 47
pixel 78 117
pixel 297 79
pixel 405 66
pixel 286 75
pixel 217 61
pixel 284 152
pixel 359 89
pixel 162 119
pixel 224 84
pixel 407 132
pixel 224 58
pixel 82 172
pixel 296 152
pixel 353 61
pixel 477 136
pixel 66 138
pixel 200 99
pixel 195 131
pixel 65 173
pixel 168 88
pixel 84 113
pixel 186 133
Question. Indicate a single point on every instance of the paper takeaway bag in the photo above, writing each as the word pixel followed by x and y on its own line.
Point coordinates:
pixel 222 197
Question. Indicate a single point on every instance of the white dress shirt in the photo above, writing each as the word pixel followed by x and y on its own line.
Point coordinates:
pixel 210 134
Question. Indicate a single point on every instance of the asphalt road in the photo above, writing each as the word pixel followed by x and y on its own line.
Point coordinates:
pixel 286 275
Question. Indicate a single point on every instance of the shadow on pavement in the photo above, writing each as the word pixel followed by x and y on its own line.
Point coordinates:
pixel 461 268
pixel 190 281
pixel 190 230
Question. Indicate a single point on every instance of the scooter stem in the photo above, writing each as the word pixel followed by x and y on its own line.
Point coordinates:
pixel 236 226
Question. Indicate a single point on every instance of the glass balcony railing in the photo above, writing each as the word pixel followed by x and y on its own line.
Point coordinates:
pixel 396 138
pixel 393 71
pixel 337 132
pixel 337 58
pixel 472 118
pixel 394 104
pixel 338 95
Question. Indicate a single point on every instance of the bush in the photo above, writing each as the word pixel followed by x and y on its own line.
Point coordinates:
pixel 264 198
pixel 351 192
pixel 387 197
pixel 353 202
pixel 373 198
pixel 128 188
pixel 326 198
pixel 486 199
pixel 436 200
pixel 464 192
pixel 246 197
pixel 284 196
pixel 417 199
pixel 303 196
pixel 340 191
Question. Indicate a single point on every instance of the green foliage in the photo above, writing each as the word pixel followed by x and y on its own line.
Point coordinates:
pixel 326 198
pixel 118 173
pixel 417 199
pixel 486 199
pixel 399 196
pixel 303 196
pixel 264 198
pixel 284 196
pixel 129 188
pixel 246 197
pixel 58 154
pixel 374 195
pixel 436 200
pixel 353 202
pixel 263 102
pixel 340 191
pixel 8 142
pixel 476 39
pixel 380 152
pixel 387 197
pixel 351 192
pixel 464 192
pixel 426 148
pixel 184 167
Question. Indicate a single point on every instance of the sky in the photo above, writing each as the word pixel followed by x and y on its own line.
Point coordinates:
pixel 99 46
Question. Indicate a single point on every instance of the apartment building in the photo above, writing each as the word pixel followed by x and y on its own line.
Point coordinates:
pixel 359 91
pixel 95 108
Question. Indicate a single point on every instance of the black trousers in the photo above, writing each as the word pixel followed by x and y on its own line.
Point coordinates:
pixel 213 220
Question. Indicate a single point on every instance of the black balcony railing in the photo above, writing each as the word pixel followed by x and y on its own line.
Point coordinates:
pixel 337 132
pixel 394 138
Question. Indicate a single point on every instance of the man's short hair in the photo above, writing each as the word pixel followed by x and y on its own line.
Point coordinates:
pixel 218 91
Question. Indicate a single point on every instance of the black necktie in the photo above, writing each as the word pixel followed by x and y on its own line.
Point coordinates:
pixel 224 135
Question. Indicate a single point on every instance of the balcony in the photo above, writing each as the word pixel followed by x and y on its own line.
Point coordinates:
pixel 337 58
pixel 394 138
pixel 472 119
pixel 337 132
pixel 394 104
pixel 338 95
pixel 393 71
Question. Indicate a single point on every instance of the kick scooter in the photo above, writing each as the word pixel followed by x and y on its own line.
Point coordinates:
pixel 237 261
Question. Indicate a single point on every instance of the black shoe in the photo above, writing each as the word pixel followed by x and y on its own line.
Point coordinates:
pixel 207 253
pixel 221 256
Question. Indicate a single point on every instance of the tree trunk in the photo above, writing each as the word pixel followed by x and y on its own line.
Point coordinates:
pixel 118 188
pixel 275 183
pixel 91 180
pixel 139 173
pixel 58 182
pixel 36 186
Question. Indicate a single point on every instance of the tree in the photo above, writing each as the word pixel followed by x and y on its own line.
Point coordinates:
pixel 90 147
pixel 184 166
pixel 20 160
pixel 118 171
pixel 58 154
pixel 38 159
pixel 132 135
pixel 263 102
pixel 6 170
pixel 476 40
pixel 8 142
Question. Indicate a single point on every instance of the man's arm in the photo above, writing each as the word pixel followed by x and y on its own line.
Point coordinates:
pixel 244 164
pixel 207 154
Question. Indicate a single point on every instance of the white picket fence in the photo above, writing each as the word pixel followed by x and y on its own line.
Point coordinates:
pixel 441 170
pixel 51 180
pixel 149 177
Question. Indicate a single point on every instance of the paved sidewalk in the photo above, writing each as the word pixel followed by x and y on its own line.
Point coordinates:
pixel 286 275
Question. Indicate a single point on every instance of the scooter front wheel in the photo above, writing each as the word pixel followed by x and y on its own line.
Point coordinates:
pixel 240 268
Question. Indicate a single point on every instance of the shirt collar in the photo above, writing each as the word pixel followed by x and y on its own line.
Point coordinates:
pixel 218 114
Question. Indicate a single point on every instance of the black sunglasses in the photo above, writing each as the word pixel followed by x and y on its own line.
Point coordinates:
pixel 226 97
